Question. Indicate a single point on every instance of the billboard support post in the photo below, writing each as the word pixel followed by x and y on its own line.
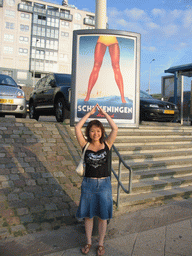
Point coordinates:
pixel 100 14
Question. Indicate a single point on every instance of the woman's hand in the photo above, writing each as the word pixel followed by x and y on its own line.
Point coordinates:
pixel 101 111
pixel 93 110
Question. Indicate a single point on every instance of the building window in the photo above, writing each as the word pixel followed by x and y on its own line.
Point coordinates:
pixel 25 16
pixel 39 19
pixel 8 49
pixel 53 22
pixel 9 25
pixel 38 31
pixel 38 54
pixel 23 51
pixel 78 16
pixel 10 14
pixel 38 42
pixel 76 26
pixel 65 24
pixel 53 33
pixel 51 55
pixel 23 39
pixel 24 28
pixel 64 34
pixel 50 44
pixel 9 38
pixel 7 72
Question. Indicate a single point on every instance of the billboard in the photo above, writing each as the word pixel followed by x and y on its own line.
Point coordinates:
pixel 106 70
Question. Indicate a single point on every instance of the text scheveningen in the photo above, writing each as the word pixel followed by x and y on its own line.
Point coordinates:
pixel 108 109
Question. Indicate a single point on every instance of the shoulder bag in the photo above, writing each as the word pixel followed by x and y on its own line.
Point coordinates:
pixel 81 168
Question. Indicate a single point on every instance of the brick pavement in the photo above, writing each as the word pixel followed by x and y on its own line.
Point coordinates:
pixel 39 189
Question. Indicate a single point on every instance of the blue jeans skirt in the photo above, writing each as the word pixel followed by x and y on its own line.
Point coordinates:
pixel 96 199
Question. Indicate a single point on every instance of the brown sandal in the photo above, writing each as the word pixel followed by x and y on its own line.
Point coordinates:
pixel 86 249
pixel 100 250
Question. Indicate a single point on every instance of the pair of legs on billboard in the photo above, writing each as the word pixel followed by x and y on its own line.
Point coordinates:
pixel 114 51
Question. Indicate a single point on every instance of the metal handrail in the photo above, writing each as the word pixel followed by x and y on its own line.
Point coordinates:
pixel 118 177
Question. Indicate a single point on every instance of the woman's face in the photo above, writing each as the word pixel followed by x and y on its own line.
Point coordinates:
pixel 95 133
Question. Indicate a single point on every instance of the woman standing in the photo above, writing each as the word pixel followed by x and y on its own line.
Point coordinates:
pixel 96 192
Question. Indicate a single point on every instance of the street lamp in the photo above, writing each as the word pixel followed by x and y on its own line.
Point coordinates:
pixel 34 68
pixel 150 74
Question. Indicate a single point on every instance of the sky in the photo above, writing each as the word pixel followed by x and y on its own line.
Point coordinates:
pixel 166 33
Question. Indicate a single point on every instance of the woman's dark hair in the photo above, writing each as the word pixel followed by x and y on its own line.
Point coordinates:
pixel 98 124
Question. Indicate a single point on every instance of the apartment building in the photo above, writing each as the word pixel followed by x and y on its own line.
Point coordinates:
pixel 36 37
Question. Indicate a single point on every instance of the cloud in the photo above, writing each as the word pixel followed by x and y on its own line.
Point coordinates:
pixel 150 48
pixel 158 12
pixel 152 25
pixel 113 12
pixel 176 13
pixel 170 30
pixel 187 20
pixel 136 14
pixel 122 22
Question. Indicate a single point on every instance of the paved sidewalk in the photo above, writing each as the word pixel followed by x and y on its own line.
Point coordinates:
pixel 158 231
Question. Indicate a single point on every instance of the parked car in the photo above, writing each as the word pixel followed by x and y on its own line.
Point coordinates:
pixel 51 96
pixel 12 98
pixel 157 110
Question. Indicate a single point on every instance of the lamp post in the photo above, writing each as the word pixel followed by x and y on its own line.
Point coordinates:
pixel 150 74
pixel 34 69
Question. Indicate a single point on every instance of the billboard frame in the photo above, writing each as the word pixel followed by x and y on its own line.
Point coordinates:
pixel 97 32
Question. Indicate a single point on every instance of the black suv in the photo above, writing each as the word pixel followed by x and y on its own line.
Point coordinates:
pixel 51 96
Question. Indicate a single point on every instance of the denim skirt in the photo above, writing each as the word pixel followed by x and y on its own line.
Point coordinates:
pixel 96 199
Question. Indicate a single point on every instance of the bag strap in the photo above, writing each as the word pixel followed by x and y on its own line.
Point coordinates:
pixel 86 146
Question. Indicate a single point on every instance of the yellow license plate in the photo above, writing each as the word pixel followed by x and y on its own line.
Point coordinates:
pixel 170 112
pixel 6 101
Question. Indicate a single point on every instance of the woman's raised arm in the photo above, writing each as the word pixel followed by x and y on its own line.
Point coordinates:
pixel 113 134
pixel 80 137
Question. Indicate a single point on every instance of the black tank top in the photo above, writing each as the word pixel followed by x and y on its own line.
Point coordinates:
pixel 97 163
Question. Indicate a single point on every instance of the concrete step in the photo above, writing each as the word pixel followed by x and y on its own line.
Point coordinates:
pixel 146 139
pixel 156 173
pixel 139 164
pixel 157 195
pixel 152 145
pixel 149 185
pixel 153 154
pixel 152 132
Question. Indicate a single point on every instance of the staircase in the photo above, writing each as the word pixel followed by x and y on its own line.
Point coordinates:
pixel 160 156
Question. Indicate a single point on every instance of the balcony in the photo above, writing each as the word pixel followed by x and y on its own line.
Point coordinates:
pixel 24 8
pixel 88 21
pixel 40 10
pixel 66 16
pixel 53 13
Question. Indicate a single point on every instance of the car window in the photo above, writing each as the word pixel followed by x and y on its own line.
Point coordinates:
pixel 42 82
pixel 63 79
pixel 145 95
pixel 6 80
pixel 50 79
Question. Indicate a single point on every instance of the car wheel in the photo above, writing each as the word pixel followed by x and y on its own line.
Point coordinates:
pixel 32 112
pixel 60 110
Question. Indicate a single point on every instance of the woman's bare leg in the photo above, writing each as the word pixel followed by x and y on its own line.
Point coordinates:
pixel 98 59
pixel 115 57
pixel 102 230
pixel 88 229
